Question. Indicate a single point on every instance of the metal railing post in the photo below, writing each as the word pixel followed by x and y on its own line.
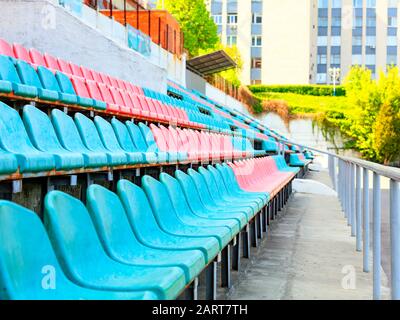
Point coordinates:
pixel 377 236
pixel 395 238
pixel 366 214
pixel 353 199
pixel 358 209
pixel 346 192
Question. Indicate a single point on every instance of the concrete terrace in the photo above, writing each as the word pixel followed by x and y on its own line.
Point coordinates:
pixel 304 254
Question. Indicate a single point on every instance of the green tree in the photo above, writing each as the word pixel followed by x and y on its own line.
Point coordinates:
pixel 387 133
pixel 200 31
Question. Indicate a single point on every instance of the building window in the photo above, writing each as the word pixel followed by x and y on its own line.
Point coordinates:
pixel 256 41
pixel 335 41
pixel 322 41
pixel 357 41
pixel 323 4
pixel 391 59
pixel 232 19
pixel 321 59
pixel 217 19
pixel 321 78
pixel 257 18
pixel 356 60
pixel 392 41
pixel 357 3
pixel 336 4
pixel 256 63
pixel 392 21
pixel 370 59
pixel 371 3
pixel 231 41
pixel 335 59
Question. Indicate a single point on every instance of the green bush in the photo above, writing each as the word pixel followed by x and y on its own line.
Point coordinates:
pixel 309 90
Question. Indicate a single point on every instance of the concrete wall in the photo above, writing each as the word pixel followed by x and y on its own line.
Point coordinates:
pixel 50 28
pixel 195 82
pixel 223 99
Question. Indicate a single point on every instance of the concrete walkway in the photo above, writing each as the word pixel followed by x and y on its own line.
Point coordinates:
pixel 308 254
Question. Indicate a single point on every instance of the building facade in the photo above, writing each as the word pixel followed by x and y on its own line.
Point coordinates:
pixel 304 41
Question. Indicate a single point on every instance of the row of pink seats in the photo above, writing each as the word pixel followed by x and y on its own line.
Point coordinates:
pixel 126 102
pixel 36 58
pixel 197 145
pixel 261 175
pixel 122 97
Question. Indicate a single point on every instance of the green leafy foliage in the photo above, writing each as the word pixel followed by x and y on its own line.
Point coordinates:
pixel 200 31
pixel 309 90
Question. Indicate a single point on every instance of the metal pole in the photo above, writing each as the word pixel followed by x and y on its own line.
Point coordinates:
pixel 353 199
pixel 366 220
pixel 358 209
pixel 395 237
pixel 377 236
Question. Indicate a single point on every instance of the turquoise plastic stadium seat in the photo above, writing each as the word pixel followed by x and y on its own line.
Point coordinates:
pixel 282 165
pixel 152 145
pixel 198 206
pixel 92 141
pixel 8 163
pixel 185 213
pixel 170 222
pixel 69 137
pixel 233 187
pixel 110 141
pixel 66 87
pixel 147 230
pixel 14 139
pixel 226 191
pixel 10 78
pixel 208 200
pixel 141 144
pixel 44 138
pixel 49 82
pixel 27 258
pixel 29 77
pixel 120 242
pixel 215 192
pixel 80 251
pixel 125 140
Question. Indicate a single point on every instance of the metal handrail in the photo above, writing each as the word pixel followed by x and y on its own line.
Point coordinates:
pixel 345 173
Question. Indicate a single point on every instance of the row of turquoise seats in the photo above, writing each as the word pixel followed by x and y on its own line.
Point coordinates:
pixel 299 160
pixel 40 143
pixel 137 244
pixel 21 79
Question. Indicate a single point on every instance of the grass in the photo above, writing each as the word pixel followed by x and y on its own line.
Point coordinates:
pixel 308 106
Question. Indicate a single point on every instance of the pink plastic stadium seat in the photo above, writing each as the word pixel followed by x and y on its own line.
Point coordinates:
pixel 51 62
pixel 6 49
pixel 21 53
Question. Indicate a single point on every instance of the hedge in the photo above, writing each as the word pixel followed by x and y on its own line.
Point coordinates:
pixel 310 90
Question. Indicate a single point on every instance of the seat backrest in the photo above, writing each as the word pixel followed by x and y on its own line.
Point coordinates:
pixel 26 256
pixel 28 74
pixel 106 94
pixel 76 70
pixel 64 66
pixel 67 132
pixel 73 235
pixel 138 209
pixel 107 134
pixel 114 82
pixel 136 136
pixel 21 53
pixel 201 185
pixel 80 87
pixel 40 130
pixel 189 189
pixel 65 83
pixel 13 136
pixel 123 136
pixel 117 97
pixel 48 79
pixel 88 132
pixel 105 79
pixel 51 62
pixel 93 90
pixel 111 222
pixel 8 71
pixel 87 73
pixel 148 136
pixel 159 200
pixel 176 193
pixel 96 76
pixel 159 138
pixel 37 57
pixel 6 49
